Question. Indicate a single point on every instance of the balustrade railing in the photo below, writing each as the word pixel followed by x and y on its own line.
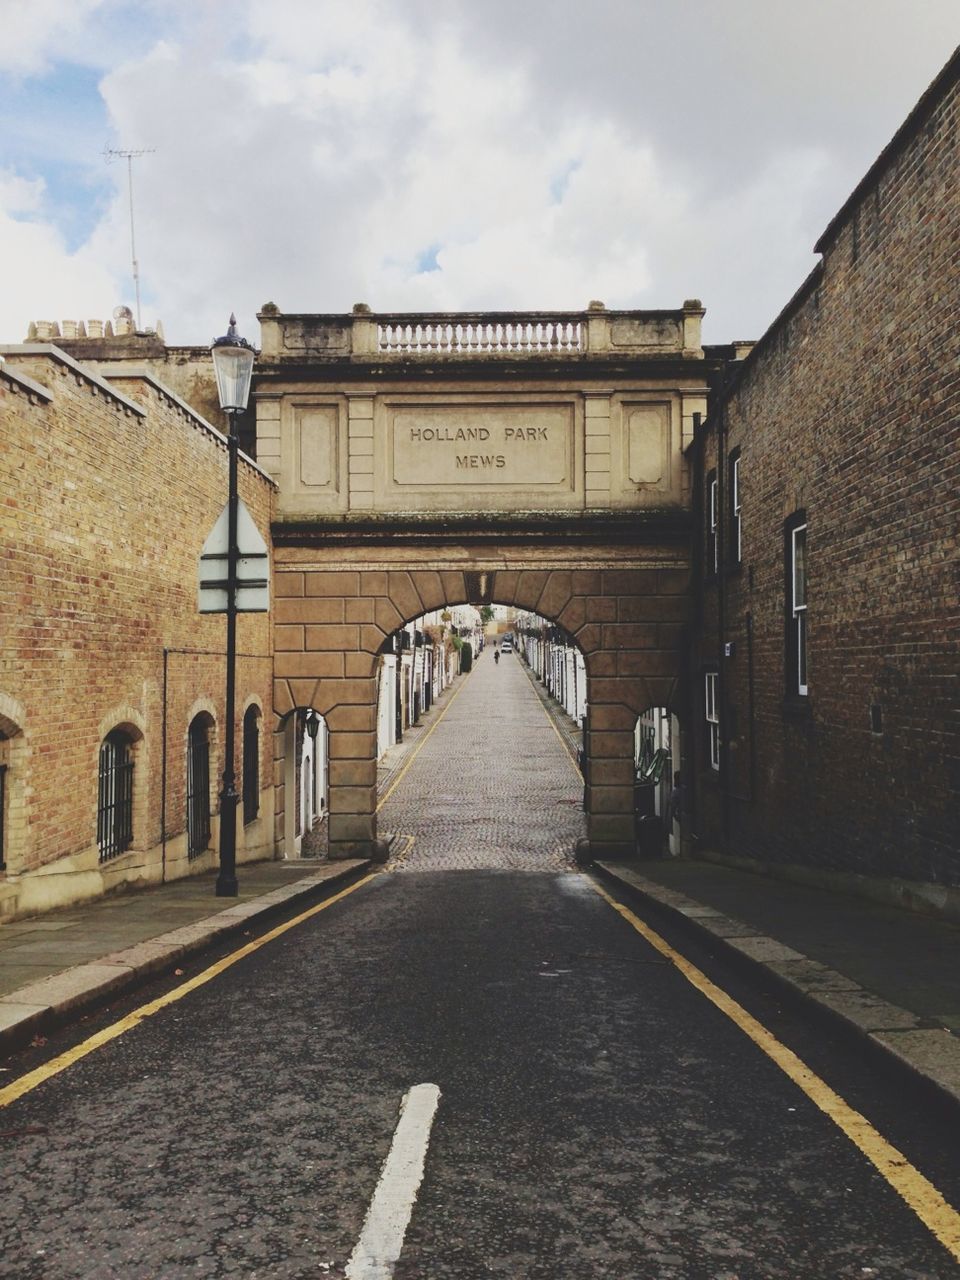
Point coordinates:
pixel 480 335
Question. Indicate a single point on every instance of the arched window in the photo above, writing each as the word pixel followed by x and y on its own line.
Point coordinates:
pixel 198 785
pixel 115 795
pixel 251 764
pixel 3 800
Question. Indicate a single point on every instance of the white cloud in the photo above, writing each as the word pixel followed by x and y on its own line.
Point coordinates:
pixel 37 32
pixel 41 279
pixel 320 152
pixel 20 195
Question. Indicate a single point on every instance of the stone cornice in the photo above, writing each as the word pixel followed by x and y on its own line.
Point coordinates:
pixel 23 383
pixel 120 371
pixel 398 528
pixel 52 352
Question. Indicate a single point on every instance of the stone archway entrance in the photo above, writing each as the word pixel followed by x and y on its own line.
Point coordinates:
pixel 517 459
pixel 331 625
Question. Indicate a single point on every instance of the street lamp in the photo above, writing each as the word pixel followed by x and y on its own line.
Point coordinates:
pixel 233 364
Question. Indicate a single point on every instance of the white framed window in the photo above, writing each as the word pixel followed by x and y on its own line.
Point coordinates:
pixel 735 537
pixel 713 552
pixel 796 647
pixel 712 716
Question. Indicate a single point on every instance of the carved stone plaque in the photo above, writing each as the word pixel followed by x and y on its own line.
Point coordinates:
pixel 497 446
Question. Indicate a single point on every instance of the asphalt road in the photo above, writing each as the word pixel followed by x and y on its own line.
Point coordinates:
pixel 598 1117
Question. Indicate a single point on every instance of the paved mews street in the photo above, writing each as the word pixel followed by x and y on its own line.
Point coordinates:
pixel 573 1106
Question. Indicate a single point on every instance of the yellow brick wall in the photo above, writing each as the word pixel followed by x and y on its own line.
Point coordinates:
pixel 103 515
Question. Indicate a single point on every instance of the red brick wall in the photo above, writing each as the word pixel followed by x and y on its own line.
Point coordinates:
pixel 103 518
pixel 849 409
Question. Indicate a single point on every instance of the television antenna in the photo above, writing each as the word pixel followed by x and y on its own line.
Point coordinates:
pixel 110 154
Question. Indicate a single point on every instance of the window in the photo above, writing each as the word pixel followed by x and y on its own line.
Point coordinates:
pixel 115 795
pixel 3 813
pixel 735 540
pixel 713 551
pixel 10 792
pixel 251 764
pixel 198 786
pixel 712 714
pixel 796 604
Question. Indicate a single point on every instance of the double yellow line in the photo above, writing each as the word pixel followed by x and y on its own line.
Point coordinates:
pixel 11 1092
pixel 920 1194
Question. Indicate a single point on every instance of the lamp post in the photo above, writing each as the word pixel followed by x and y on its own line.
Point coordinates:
pixel 233 364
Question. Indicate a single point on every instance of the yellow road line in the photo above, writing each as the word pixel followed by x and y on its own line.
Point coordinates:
pixel 37 1077
pixel 401 857
pixel 922 1196
pixel 416 751
pixel 553 725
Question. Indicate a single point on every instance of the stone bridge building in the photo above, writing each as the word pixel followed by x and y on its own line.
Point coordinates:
pixel 512 458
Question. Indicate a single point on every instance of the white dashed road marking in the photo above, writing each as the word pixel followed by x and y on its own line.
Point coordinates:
pixel 389 1214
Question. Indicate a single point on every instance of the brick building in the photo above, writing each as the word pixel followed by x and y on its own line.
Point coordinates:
pixel 822 689
pixel 111 683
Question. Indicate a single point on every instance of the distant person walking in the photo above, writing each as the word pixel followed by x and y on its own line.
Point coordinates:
pixel 496 656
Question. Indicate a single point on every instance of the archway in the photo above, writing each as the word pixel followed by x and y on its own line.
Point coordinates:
pixel 332 624
pixel 301 762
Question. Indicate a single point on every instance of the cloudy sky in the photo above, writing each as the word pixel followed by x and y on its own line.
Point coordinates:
pixel 419 155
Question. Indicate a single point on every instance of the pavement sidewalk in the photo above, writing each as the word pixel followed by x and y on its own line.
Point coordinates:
pixel 57 966
pixel 889 975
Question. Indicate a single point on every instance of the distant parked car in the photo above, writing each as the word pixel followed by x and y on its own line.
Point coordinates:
pixel 506 646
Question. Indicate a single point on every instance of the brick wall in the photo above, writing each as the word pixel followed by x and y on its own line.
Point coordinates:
pixel 104 512
pixel 848 409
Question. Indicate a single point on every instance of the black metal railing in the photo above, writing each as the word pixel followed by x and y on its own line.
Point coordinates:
pixel 251 766
pixel 3 816
pixel 115 796
pixel 198 792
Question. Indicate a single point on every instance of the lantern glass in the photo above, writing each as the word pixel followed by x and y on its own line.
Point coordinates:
pixel 234 367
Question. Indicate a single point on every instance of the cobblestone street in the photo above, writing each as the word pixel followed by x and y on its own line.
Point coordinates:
pixel 492 787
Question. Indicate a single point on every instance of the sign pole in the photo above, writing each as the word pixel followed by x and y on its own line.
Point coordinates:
pixel 227 877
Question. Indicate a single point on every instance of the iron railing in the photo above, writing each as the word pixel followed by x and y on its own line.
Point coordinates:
pixel 251 766
pixel 3 816
pixel 198 791
pixel 115 796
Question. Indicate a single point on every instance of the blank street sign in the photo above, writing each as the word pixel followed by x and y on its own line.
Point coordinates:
pixel 253 566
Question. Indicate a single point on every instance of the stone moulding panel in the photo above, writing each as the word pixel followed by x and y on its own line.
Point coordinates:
pixel 645 456
pixel 465 454
pixel 313 455
pixel 647 333
pixel 327 339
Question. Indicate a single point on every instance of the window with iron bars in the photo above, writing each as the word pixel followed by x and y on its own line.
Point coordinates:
pixel 115 796
pixel 251 764
pixel 3 817
pixel 198 788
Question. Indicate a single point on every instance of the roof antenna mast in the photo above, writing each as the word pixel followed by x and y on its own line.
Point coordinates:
pixel 116 154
